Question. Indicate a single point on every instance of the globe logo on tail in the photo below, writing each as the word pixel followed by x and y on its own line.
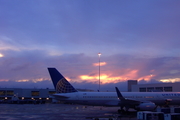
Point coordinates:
pixel 63 86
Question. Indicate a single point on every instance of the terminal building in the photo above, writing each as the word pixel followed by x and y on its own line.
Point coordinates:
pixel 26 94
pixel 133 86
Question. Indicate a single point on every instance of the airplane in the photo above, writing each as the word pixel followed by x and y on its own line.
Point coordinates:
pixel 141 101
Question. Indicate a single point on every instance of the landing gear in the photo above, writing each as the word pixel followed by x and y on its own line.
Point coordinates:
pixel 122 111
pixel 167 103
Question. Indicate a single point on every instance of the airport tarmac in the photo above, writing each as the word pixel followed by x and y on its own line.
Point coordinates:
pixel 59 112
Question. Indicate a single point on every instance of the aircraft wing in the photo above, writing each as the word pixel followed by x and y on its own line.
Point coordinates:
pixel 59 97
pixel 124 100
pixel 139 105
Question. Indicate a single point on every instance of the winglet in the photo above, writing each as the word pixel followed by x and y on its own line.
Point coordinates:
pixel 119 94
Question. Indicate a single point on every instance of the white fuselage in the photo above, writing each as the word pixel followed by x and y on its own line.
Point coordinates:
pixel 111 99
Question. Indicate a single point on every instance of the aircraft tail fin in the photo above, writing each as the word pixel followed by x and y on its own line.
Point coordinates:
pixel 60 83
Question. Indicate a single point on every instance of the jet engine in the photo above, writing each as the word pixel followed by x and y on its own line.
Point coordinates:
pixel 149 106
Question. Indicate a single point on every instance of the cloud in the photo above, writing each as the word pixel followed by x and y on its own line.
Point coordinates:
pixel 1 55
pixel 30 67
pixel 65 27
pixel 137 41
pixel 99 63
pixel 170 80
pixel 8 44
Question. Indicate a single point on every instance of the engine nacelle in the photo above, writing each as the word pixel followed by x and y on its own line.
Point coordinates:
pixel 149 106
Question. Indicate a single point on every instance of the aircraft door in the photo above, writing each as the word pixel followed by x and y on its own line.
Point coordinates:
pixel 77 96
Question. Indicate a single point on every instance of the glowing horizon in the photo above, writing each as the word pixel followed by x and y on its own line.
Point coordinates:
pixel 105 79
pixel 170 80
pixel 109 78
pixel 1 55
pixel 4 80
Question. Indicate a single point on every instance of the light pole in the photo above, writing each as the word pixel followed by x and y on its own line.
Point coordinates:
pixel 99 54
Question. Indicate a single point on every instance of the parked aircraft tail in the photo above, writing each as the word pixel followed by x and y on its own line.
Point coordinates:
pixel 60 83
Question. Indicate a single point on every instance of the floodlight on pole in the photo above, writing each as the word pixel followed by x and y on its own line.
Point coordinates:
pixel 99 54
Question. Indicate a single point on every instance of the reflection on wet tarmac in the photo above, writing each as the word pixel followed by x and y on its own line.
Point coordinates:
pixel 55 112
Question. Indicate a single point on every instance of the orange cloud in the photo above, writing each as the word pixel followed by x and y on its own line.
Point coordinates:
pixel 125 75
pixel 24 80
pixel 39 80
pixel 86 77
pixel 147 77
pixel 33 80
pixel 172 80
pixel 1 55
pixel 101 64
pixel 131 74
pixel 104 78
pixel 4 80
pixel 108 78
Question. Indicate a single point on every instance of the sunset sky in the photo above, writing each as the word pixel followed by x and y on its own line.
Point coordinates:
pixel 138 40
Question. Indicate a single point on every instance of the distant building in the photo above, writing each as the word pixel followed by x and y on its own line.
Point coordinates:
pixel 26 94
pixel 156 87
pixel 29 94
pixel 85 90
pixel 130 83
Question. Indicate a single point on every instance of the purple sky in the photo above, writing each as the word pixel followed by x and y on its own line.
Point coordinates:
pixel 139 40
